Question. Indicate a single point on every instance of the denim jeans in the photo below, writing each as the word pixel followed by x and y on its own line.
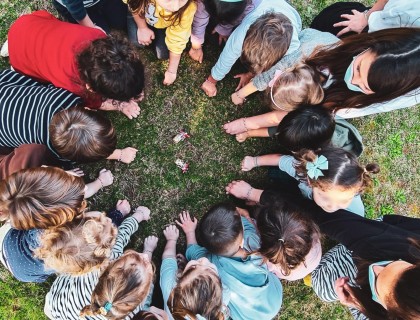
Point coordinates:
pixel 158 43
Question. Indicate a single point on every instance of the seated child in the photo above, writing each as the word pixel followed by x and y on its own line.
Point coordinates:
pixel 332 177
pixel 269 39
pixel 37 201
pixel 104 70
pixel 41 198
pixel 69 294
pixel 34 113
pixel 227 14
pixel 167 24
pixel 196 293
pixel 307 127
pixel 228 242
pixel 290 240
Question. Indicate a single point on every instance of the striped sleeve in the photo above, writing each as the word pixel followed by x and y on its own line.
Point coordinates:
pixel 125 231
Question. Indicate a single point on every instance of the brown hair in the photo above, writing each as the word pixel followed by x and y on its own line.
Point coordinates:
pixel 140 6
pixel 77 247
pixel 299 85
pixel 197 294
pixel 125 287
pixel 112 68
pixel 82 135
pixel 41 198
pixel 343 170
pixel 266 41
pixel 284 220
pixel 391 75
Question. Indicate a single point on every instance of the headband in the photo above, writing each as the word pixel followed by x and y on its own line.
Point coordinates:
pixel 277 75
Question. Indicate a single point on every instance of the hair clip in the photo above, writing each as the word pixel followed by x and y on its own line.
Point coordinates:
pixel 105 309
pixel 314 168
pixel 281 240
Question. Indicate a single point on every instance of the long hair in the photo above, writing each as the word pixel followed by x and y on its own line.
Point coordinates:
pixel 393 73
pixel 41 198
pixel 405 301
pixel 124 285
pixel 140 6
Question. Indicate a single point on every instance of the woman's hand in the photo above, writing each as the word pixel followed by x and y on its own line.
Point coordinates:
pixel 355 22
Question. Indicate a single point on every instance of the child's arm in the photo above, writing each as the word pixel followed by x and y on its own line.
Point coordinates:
pixel 150 244
pixel 188 225
pixel 265 120
pixel 104 179
pixel 243 190
pixel 239 96
pixel 171 72
pixel 131 108
pixel 171 234
pixel 126 155
pixel 257 133
pixel 270 160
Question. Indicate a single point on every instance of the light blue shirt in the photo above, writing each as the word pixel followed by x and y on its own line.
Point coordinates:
pixel 254 292
pixel 286 164
pixel 233 47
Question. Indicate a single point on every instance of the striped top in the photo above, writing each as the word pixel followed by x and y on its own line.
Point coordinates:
pixel 27 107
pixel 69 294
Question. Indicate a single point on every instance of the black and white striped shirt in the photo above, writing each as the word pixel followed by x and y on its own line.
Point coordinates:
pixel 69 294
pixel 336 263
pixel 26 109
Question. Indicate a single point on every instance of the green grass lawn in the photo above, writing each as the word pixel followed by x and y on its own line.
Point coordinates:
pixel 153 179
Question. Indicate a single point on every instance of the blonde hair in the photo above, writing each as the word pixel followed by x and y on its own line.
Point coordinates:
pixel 296 86
pixel 41 198
pixel 266 42
pixel 124 288
pixel 197 294
pixel 77 247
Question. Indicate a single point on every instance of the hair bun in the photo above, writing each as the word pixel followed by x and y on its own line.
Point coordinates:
pixel 372 168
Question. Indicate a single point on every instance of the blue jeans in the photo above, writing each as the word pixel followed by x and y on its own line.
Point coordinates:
pixel 158 43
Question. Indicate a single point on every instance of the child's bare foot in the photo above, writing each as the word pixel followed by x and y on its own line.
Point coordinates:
pixel 181 261
pixel 236 126
pixel 241 137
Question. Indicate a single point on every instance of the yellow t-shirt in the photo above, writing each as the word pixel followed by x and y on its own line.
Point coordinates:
pixel 176 36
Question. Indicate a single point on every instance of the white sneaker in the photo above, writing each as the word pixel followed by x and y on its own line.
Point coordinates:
pixel 4 52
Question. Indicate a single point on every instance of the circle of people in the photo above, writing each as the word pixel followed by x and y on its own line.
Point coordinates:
pixel 353 61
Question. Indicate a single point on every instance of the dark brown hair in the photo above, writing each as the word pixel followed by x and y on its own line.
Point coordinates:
pixel 284 220
pixel 393 73
pixel 140 6
pixel 125 288
pixel 219 228
pixel 82 135
pixel 41 198
pixel 112 68
pixel 343 170
pixel 266 41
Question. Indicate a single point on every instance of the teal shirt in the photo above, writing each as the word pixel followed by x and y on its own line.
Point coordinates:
pixel 254 292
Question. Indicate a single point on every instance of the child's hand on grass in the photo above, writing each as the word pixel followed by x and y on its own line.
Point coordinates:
pixel 209 88
pixel 248 163
pixel 237 100
pixel 239 188
pixel 141 214
pixel 105 178
pixel 123 206
pixel 170 78
pixel 241 137
pixel 187 224
pixel 244 79
pixel 196 53
pixel 150 244
pixel 236 126
pixel 145 36
pixel 171 233
pixel 131 109
pixel 128 155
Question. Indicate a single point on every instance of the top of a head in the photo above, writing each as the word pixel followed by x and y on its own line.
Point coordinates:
pixel 112 68
pixel 219 228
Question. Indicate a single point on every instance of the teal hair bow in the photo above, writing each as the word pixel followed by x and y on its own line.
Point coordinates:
pixel 314 168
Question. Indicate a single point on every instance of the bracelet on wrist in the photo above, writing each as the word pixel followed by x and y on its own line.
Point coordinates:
pixel 256 161
pixel 366 13
pixel 120 157
pixel 100 181
pixel 171 71
pixel 196 49
pixel 245 126
pixel 248 194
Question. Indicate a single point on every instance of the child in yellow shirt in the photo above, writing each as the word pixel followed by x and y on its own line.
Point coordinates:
pixel 167 23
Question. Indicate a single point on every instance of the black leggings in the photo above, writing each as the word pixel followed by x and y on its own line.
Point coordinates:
pixel 107 14
pixel 325 20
